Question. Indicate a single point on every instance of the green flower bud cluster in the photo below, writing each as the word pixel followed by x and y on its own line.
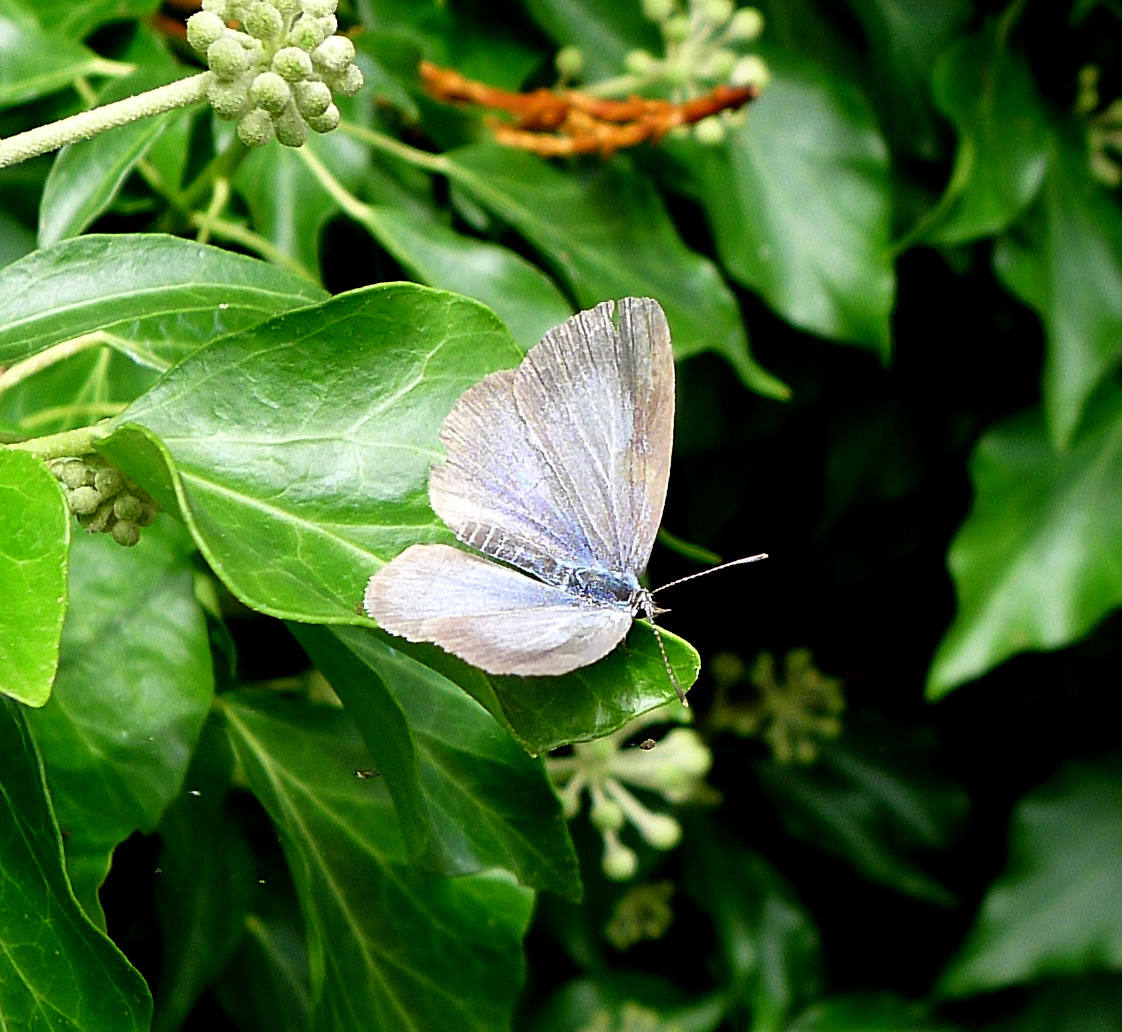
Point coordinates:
pixel 702 41
pixel 103 498
pixel 279 73
pixel 674 768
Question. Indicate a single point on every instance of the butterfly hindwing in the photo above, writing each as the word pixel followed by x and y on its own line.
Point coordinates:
pixel 496 618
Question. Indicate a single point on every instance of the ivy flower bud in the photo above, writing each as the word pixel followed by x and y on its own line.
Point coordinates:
pixel 750 71
pixel 330 25
pixel 319 8
pixel 218 7
pixel 125 533
pixel 619 862
pixel 569 62
pixel 269 91
pixel 75 473
pixel 718 12
pixel 709 132
pixel 263 21
pixel 227 58
pixel 606 815
pixel 718 65
pixel 229 100
pixel 306 33
pixel 292 63
pixel 349 83
pixel 745 26
pixel 148 513
pixel 657 10
pixel 203 29
pixel 99 520
pixel 127 507
pixel 84 500
pixel 312 98
pixel 677 28
pixel 638 62
pixel 287 8
pixel 660 830
pixel 325 122
pixel 108 481
pixel 292 130
pixel 334 54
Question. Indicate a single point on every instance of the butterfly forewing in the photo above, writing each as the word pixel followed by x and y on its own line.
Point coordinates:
pixel 496 618
pixel 562 464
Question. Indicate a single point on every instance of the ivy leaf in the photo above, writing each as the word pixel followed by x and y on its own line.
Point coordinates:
pixel 769 944
pixel 798 201
pixel 86 176
pixel 300 475
pixel 33 62
pixel 159 296
pixel 606 233
pixel 467 797
pixel 78 20
pixel 988 94
pixel 35 531
pixel 1056 909
pixel 395 947
pixel 133 688
pixel 1087 1004
pixel 1034 564
pixel 1066 263
pixel 875 800
pixel 57 971
pixel 868 1012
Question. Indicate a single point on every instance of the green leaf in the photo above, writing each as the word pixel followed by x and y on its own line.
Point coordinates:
pixel 394 948
pixel 545 713
pixel 988 94
pixel 86 176
pixel 606 233
pixel 1056 909
pixel 605 32
pixel 264 987
pixel 300 474
pixel 629 1002
pixel 1067 264
pixel 769 944
pixel 57 971
pixel 904 38
pixel 518 292
pixel 78 20
pixel 1035 563
pixel 34 536
pixel 134 685
pixel 798 201
pixel 874 799
pixel 302 447
pixel 867 1012
pixel 159 295
pixel 467 797
pixel 204 892
pixel 1087 1004
pixel 34 63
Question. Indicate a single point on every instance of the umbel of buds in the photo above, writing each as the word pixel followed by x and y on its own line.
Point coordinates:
pixel 278 73
pixel 103 498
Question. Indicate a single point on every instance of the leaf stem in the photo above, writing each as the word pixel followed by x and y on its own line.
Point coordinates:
pixel 79 441
pixel 49 356
pixel 413 155
pixel 87 124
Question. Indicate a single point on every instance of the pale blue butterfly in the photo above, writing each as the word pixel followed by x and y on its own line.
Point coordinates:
pixel 558 467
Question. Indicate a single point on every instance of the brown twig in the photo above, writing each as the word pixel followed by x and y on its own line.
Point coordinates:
pixel 570 122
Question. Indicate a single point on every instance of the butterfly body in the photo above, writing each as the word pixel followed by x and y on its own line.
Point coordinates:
pixel 558 468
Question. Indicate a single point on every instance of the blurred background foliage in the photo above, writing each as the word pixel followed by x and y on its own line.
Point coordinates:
pixel 896 290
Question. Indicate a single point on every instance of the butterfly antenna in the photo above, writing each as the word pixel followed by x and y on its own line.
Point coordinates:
pixel 649 613
pixel 714 569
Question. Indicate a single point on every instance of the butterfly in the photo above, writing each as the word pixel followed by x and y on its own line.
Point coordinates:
pixel 558 468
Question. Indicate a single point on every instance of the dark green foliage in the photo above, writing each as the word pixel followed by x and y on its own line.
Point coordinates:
pixel 895 290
